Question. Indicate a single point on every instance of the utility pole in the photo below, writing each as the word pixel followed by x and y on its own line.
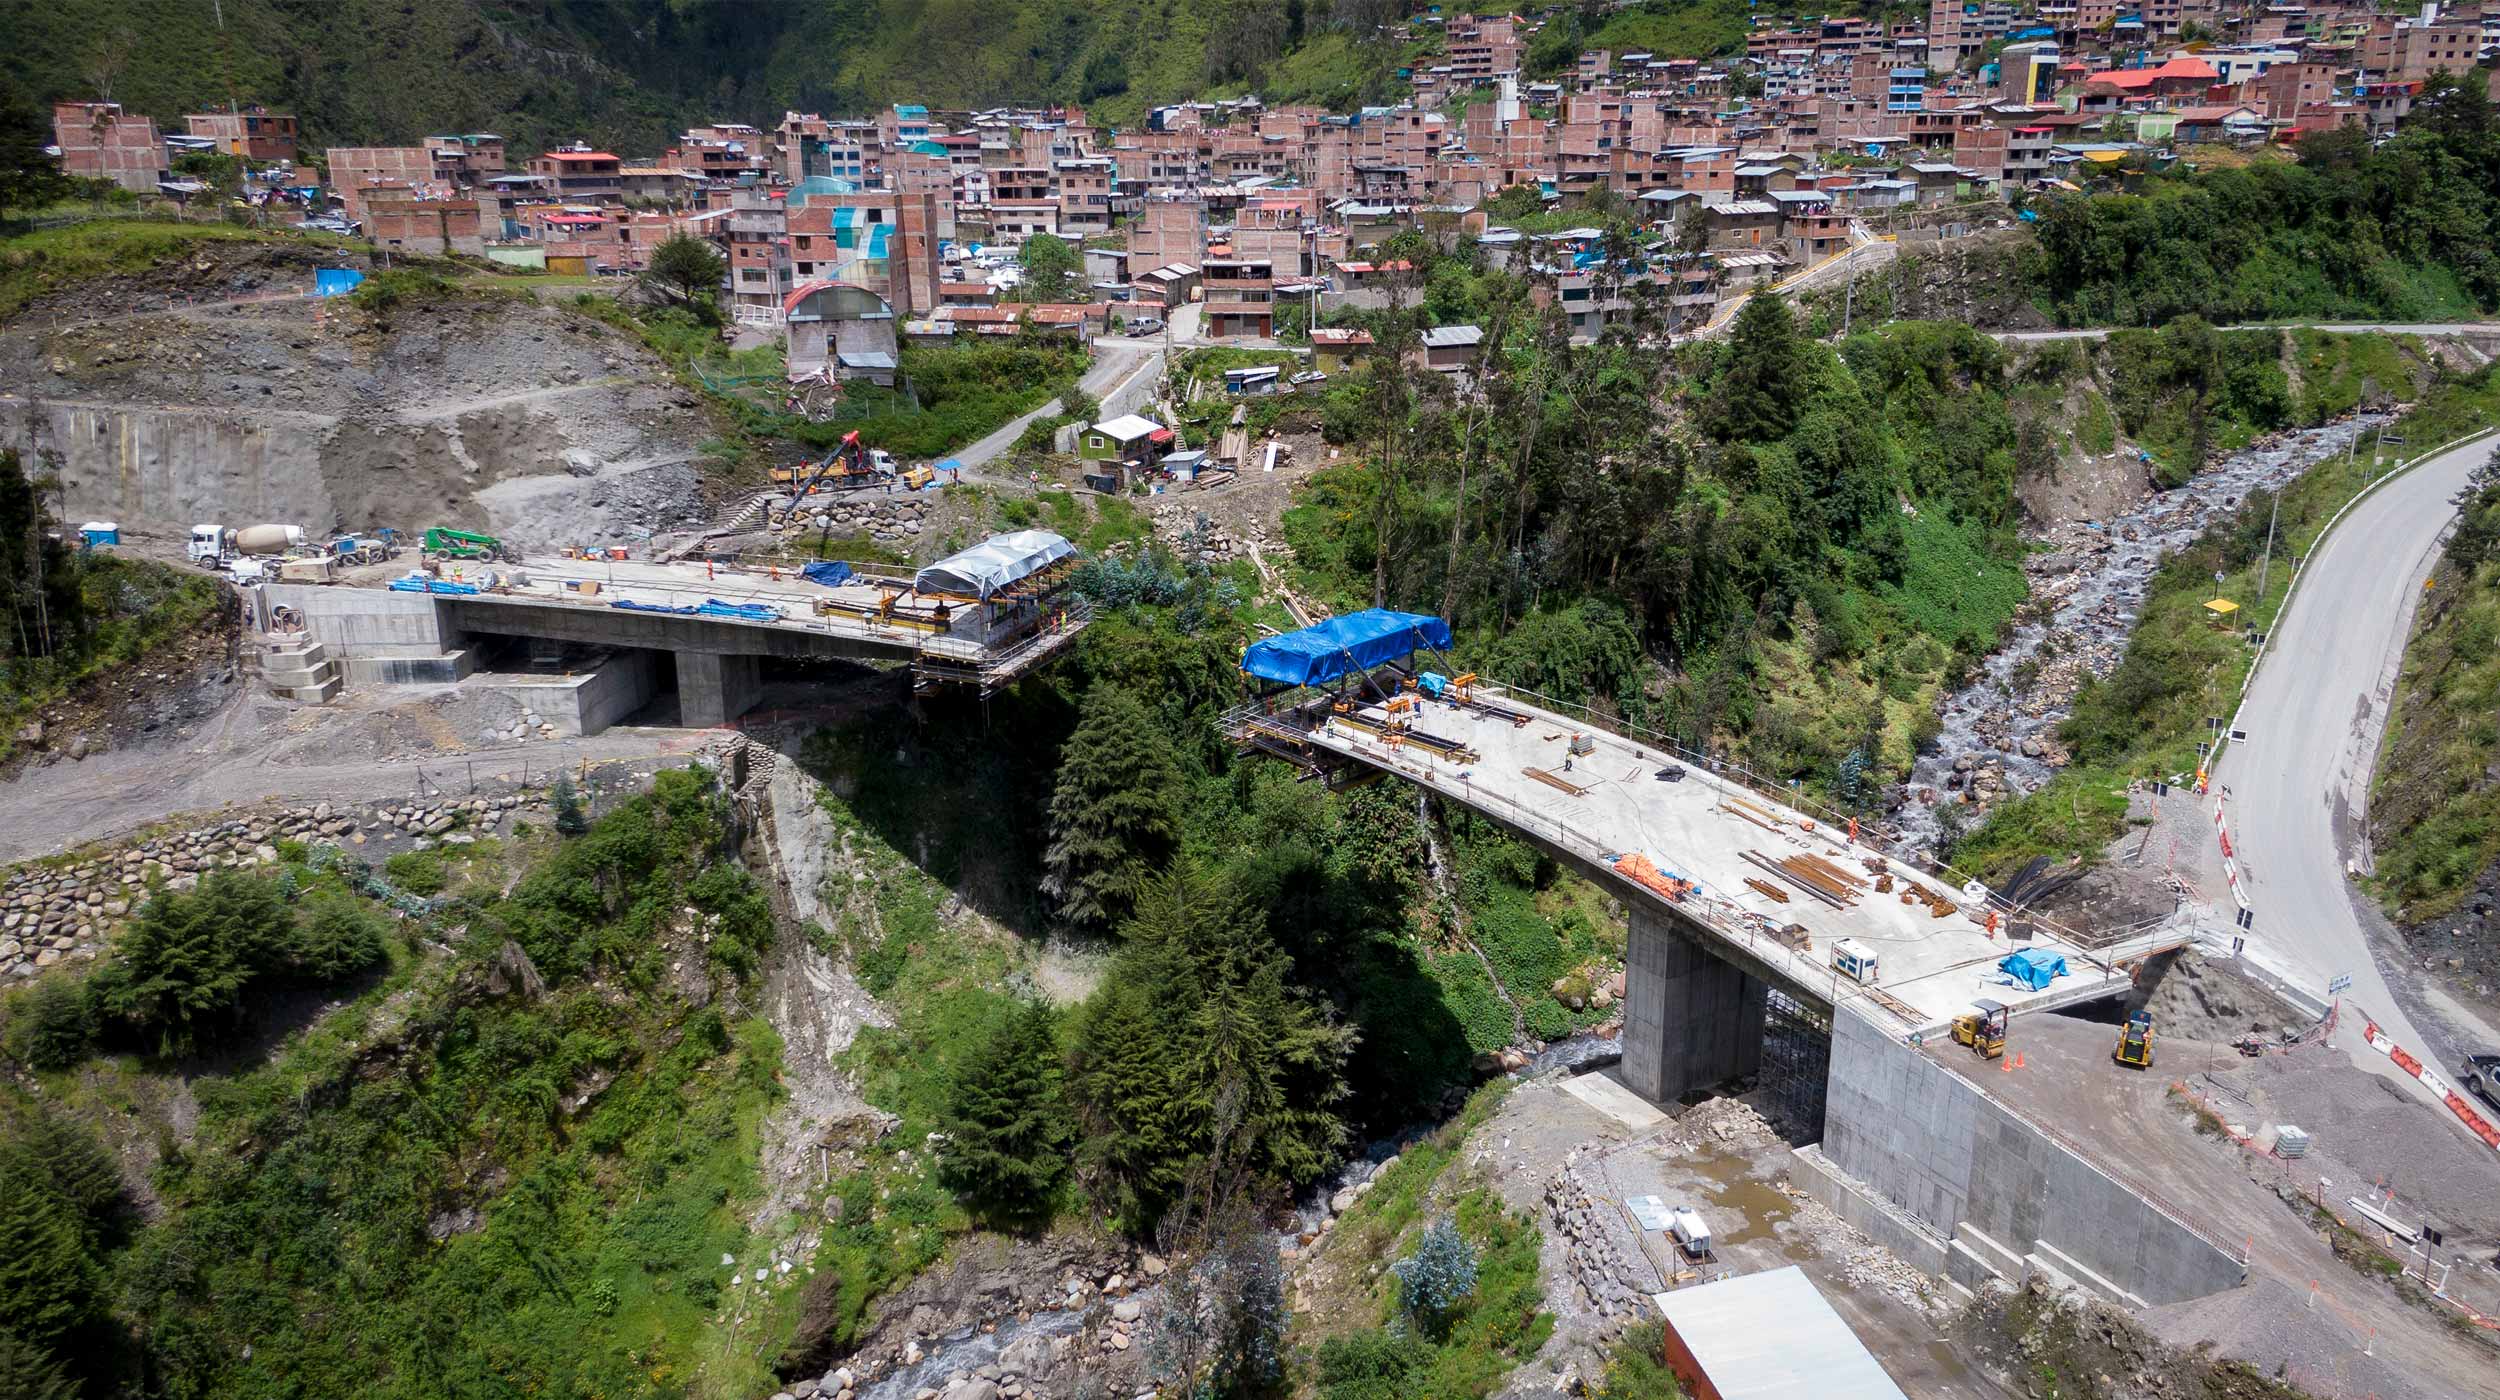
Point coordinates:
pixel 2273 509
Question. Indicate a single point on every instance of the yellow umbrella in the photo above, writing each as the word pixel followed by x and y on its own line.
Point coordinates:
pixel 2222 608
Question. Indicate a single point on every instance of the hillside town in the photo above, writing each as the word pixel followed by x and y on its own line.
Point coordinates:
pixel 1743 169
pixel 1239 699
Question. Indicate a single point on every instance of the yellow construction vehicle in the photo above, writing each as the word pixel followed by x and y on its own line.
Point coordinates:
pixel 2135 1041
pixel 1982 1028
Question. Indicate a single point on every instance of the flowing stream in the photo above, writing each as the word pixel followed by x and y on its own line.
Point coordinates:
pixel 2003 724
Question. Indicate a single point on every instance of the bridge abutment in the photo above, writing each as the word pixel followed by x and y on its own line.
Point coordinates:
pixel 1690 1019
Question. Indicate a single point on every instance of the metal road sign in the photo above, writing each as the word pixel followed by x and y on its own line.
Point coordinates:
pixel 2338 984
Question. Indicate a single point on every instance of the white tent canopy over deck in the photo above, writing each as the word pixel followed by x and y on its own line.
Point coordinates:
pixel 993 564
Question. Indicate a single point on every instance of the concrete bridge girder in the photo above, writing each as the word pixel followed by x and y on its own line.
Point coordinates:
pixel 717 660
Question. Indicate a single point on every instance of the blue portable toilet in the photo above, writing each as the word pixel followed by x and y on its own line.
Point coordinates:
pixel 99 534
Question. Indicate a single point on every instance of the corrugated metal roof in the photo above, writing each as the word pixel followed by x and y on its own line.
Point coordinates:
pixel 1773 1336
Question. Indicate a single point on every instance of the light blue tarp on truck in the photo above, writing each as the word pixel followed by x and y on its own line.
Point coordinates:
pixel 2033 970
pixel 1344 645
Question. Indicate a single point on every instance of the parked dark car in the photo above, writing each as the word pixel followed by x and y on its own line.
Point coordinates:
pixel 2482 1072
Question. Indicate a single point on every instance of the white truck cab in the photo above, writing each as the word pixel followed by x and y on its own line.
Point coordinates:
pixel 207 545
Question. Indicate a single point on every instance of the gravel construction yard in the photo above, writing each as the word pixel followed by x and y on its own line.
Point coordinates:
pixel 2360 1336
pixel 1574 1152
pixel 380 742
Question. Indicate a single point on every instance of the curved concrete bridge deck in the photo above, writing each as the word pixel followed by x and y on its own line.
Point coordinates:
pixel 1700 964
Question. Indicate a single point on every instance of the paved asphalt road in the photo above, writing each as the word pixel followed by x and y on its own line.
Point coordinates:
pixel 2298 786
pixel 1116 361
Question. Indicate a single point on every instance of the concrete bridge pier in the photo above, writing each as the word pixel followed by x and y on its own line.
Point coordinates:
pixel 713 689
pixel 1690 1019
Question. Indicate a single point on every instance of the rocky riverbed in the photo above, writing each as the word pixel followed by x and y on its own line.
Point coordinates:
pixel 2088 579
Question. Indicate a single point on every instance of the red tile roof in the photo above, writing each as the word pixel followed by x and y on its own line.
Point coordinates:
pixel 2181 68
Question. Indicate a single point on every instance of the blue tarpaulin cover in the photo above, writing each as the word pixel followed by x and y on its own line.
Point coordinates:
pixel 744 612
pixel 419 583
pixel 1343 645
pixel 832 573
pixel 630 605
pixel 2033 970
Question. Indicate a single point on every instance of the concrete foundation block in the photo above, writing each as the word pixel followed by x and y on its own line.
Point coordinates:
pixel 320 693
pixel 2065 1266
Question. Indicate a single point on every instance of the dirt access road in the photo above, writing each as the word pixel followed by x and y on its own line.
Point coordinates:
pixel 386 744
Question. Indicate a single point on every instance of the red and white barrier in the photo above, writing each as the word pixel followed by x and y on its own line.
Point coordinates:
pixel 2230 862
pixel 2457 1102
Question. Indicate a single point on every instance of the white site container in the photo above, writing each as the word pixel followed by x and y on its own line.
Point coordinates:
pixel 1691 1232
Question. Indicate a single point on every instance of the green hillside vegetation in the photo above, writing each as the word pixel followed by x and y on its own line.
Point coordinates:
pixel 633 73
pixel 2400 231
pixel 2147 717
pixel 2434 808
pixel 1776 544
pixel 1674 29
pixel 68 617
pixel 511 1166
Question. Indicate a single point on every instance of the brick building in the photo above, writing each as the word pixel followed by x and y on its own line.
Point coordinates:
pixel 357 170
pixel 254 133
pixel 411 223
pixel 99 141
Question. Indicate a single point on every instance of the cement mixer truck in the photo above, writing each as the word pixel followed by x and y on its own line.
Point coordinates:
pixel 215 546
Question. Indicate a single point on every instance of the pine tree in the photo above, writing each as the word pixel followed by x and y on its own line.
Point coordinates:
pixel 53 1025
pixel 1115 815
pixel 28 1372
pixel 44 1144
pixel 1437 1279
pixel 569 817
pixel 48 1281
pixel 183 965
pixel 1764 382
pixel 1007 1122
pixel 1198 1064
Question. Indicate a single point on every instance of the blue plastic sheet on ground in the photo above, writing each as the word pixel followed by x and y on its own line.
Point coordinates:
pixel 630 605
pixel 432 585
pixel 832 573
pixel 744 612
pixel 1344 645
pixel 2032 969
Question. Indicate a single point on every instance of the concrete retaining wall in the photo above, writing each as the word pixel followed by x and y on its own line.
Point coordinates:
pixel 1873 1216
pixel 170 468
pixel 363 622
pixel 449 669
pixel 1951 1156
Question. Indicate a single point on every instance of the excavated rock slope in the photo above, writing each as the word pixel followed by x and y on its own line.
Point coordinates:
pixel 169 406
